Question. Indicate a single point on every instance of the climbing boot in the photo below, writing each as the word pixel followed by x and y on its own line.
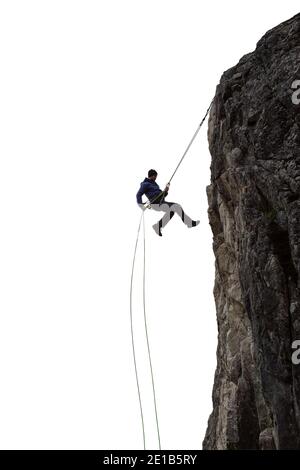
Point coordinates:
pixel 194 223
pixel 157 229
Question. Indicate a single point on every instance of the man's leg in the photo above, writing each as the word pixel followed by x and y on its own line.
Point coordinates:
pixel 165 208
pixel 170 208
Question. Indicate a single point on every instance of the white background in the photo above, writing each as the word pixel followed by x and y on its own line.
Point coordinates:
pixel 93 94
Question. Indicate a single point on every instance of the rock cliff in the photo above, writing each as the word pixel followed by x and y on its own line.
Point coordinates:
pixel 254 213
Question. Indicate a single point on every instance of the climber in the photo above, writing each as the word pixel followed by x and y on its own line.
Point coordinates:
pixel 157 201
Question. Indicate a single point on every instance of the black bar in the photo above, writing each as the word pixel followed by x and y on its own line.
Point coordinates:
pixel 132 459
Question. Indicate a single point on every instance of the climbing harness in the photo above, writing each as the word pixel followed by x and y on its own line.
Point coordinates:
pixel 142 219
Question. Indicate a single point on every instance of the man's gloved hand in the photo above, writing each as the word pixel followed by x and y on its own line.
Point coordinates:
pixel 166 190
pixel 145 206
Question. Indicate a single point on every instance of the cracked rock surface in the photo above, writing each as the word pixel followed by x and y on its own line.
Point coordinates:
pixel 254 213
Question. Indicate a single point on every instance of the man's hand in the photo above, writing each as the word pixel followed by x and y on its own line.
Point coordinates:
pixel 145 206
pixel 167 187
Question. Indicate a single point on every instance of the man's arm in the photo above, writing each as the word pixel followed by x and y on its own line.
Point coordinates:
pixel 140 193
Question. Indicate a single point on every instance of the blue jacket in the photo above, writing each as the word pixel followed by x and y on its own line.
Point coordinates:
pixel 150 188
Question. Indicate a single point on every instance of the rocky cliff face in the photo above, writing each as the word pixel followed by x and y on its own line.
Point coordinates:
pixel 254 213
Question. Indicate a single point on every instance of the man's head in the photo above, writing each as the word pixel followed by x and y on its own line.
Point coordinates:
pixel 152 174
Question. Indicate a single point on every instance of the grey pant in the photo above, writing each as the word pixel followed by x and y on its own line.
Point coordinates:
pixel 170 208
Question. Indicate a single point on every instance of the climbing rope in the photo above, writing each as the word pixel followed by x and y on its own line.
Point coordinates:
pixel 142 218
pixel 132 336
pixel 192 140
pixel 146 330
pixel 147 337
pixel 184 153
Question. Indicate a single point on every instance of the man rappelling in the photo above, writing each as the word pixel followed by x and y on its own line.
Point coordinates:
pixel 157 201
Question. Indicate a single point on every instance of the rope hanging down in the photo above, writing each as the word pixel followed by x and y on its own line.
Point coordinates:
pixel 132 336
pixel 144 298
pixel 147 336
